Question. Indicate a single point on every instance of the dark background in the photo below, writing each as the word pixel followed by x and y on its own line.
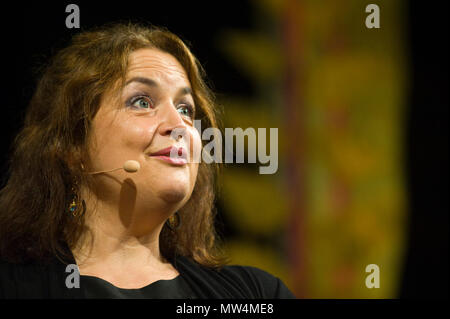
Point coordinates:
pixel 426 272
pixel 32 32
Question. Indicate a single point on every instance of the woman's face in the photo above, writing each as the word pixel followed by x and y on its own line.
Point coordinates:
pixel 155 102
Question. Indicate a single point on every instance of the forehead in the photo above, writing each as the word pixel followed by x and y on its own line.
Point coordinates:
pixel 159 65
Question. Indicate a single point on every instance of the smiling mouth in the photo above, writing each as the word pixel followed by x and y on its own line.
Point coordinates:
pixel 179 158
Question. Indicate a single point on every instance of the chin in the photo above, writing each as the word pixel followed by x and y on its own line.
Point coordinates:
pixel 174 193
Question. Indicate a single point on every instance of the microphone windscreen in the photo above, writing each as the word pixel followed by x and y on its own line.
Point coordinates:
pixel 131 166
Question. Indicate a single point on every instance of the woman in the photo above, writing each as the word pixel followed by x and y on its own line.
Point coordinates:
pixel 117 93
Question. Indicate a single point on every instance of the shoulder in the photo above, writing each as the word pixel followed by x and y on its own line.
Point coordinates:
pixel 232 281
pixel 264 284
pixel 6 281
pixel 34 280
pixel 18 278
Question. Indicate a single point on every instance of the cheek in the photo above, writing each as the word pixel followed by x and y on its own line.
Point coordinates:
pixel 122 137
pixel 196 150
pixel 195 146
pixel 136 134
pixel 193 174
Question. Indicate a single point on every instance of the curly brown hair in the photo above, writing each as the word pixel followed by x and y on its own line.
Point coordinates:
pixel 47 154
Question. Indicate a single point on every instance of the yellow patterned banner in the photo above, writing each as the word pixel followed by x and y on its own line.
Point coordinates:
pixel 332 220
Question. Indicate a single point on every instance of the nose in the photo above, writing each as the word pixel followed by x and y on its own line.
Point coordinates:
pixel 172 124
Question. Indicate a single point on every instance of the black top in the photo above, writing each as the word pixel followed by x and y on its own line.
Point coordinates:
pixel 194 281
pixel 176 288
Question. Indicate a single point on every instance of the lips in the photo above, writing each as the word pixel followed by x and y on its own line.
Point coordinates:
pixel 179 159
pixel 180 151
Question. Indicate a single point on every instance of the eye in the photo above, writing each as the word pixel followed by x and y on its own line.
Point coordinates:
pixel 141 102
pixel 186 110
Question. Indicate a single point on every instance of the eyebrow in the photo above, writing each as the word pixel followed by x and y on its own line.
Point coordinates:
pixel 149 82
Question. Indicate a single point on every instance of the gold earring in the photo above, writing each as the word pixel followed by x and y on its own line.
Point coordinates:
pixel 73 207
pixel 174 221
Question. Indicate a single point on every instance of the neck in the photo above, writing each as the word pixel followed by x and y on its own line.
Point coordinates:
pixel 121 240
